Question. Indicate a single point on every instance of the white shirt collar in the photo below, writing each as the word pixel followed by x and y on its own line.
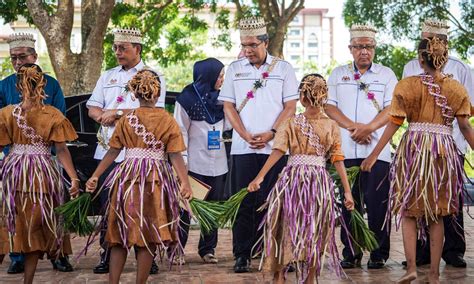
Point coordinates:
pixel 137 67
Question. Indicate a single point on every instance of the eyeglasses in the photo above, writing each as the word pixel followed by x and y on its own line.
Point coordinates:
pixel 20 57
pixel 369 47
pixel 120 48
pixel 252 46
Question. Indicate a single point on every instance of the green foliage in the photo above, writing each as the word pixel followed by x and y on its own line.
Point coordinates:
pixel 178 75
pixel 168 37
pixel 402 19
pixel 6 68
pixel 311 67
pixel 394 57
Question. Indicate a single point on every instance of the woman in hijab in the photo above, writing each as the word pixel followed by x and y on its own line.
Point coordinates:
pixel 201 119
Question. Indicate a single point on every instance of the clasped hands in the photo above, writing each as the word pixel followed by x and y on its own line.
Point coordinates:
pixel 259 140
pixel 361 133
pixel 108 117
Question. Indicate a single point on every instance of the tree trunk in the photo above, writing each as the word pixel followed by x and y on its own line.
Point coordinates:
pixel 277 18
pixel 76 73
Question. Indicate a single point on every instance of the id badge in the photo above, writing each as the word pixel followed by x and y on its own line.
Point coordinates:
pixel 213 140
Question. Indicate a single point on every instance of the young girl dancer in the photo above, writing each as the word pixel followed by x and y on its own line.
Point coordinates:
pixel 300 225
pixel 144 196
pixel 31 179
pixel 426 173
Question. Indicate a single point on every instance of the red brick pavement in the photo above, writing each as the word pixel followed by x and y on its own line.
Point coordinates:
pixel 195 271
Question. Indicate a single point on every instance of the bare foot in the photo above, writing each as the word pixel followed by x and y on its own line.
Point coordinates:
pixel 433 278
pixel 407 278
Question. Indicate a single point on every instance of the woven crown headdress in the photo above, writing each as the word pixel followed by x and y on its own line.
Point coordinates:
pixel 252 26
pixel 131 35
pixel 21 40
pixel 435 26
pixel 359 30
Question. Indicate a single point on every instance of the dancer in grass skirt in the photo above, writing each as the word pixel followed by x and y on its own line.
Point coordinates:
pixel 143 209
pixel 427 175
pixel 300 225
pixel 32 184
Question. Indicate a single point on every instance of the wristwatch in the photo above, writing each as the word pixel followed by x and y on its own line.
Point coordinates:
pixel 119 113
pixel 273 130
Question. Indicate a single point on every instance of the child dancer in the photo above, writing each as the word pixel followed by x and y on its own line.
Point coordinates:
pixel 300 224
pixel 32 183
pixel 426 173
pixel 144 196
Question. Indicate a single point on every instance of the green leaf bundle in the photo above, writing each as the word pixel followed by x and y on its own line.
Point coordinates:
pixel 74 213
pixel 232 205
pixel 352 173
pixel 206 213
pixel 363 238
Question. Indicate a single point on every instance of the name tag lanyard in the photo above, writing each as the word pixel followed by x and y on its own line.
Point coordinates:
pixel 213 118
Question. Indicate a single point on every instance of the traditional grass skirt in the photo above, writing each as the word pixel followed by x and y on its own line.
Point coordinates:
pixel 427 174
pixel 300 225
pixel 32 187
pixel 143 207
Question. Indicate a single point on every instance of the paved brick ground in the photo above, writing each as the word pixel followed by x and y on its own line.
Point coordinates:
pixel 197 272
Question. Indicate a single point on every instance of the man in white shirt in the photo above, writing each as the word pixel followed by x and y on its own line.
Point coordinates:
pixel 454 241
pixel 359 96
pixel 109 101
pixel 259 92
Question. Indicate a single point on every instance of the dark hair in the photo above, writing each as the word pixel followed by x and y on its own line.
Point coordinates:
pixel 433 51
pixel 134 44
pixel 264 37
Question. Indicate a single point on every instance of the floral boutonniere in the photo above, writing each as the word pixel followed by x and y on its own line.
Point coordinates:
pixel 259 83
pixel 364 87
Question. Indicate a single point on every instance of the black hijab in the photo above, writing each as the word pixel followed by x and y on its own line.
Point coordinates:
pixel 199 99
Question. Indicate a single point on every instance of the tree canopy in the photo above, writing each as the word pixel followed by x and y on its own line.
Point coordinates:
pixel 402 19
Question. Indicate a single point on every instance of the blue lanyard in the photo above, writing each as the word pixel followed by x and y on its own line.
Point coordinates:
pixel 213 118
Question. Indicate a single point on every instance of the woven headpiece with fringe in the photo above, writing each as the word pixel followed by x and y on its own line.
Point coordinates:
pixel 252 26
pixel 21 40
pixel 435 26
pixel 131 35
pixel 359 30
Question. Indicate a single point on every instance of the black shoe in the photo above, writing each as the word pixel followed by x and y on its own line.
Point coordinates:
pixel 419 262
pixel 456 261
pixel 154 268
pixel 348 263
pixel 375 264
pixel 102 268
pixel 62 264
pixel 242 265
pixel 16 267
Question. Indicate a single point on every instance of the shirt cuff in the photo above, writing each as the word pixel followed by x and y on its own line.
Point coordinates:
pixel 331 102
pixel 337 158
pixel 290 98
pixel 226 99
pixel 94 104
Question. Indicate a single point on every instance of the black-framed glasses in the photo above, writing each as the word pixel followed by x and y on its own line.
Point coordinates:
pixel 117 47
pixel 252 46
pixel 368 47
pixel 20 57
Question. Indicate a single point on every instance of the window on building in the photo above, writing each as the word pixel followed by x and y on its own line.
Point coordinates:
pixel 313 44
pixel 294 44
pixel 295 57
pixel 313 57
pixel 294 32
pixel 296 20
